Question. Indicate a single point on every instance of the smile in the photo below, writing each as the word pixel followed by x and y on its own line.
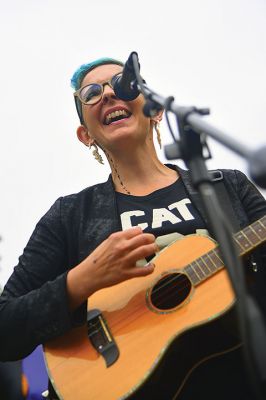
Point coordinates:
pixel 116 116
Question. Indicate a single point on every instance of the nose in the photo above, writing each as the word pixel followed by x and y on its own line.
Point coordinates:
pixel 108 93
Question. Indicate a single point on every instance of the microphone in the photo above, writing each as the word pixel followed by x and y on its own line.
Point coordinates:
pixel 125 86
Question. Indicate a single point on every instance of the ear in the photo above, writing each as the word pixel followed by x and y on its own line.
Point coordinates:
pixel 84 136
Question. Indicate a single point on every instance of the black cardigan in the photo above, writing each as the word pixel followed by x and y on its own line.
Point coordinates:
pixel 33 305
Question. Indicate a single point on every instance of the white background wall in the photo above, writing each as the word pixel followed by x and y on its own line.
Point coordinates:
pixel 205 53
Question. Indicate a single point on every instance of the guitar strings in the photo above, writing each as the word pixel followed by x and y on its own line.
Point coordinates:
pixel 181 271
pixel 183 279
pixel 215 252
pixel 141 309
pixel 179 279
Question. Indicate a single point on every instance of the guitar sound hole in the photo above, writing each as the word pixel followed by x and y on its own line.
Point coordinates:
pixel 170 291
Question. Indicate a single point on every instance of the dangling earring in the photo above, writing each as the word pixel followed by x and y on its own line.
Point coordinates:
pixel 157 128
pixel 96 153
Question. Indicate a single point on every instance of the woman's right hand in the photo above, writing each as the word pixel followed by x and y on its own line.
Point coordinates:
pixel 112 262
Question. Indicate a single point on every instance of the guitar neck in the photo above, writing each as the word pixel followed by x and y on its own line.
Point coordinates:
pixel 245 240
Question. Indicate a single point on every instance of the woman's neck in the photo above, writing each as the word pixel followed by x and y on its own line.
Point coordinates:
pixel 140 172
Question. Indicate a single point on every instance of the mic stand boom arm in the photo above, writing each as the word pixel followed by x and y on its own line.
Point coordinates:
pixel 189 148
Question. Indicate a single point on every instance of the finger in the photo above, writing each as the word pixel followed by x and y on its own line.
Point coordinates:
pixel 139 240
pixel 142 252
pixel 141 271
pixel 128 233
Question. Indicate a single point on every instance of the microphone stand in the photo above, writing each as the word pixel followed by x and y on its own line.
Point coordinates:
pixel 192 130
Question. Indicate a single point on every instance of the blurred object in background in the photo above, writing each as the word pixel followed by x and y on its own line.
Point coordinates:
pixel 13 384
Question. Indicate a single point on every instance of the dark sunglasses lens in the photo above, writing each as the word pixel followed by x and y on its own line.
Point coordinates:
pixel 91 94
pixel 114 79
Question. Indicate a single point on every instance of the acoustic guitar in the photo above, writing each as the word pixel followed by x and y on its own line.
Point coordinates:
pixel 155 329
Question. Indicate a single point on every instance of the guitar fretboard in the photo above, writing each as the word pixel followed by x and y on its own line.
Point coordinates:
pixel 246 240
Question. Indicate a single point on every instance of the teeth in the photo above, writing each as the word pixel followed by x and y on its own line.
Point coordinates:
pixel 115 114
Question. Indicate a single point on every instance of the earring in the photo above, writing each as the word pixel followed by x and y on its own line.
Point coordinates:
pixel 96 153
pixel 157 128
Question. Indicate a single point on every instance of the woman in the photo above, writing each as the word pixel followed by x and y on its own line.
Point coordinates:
pixel 94 239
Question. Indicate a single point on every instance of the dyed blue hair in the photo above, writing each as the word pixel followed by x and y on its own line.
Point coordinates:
pixel 82 71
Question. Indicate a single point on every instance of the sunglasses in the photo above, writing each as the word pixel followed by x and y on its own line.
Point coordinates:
pixel 93 92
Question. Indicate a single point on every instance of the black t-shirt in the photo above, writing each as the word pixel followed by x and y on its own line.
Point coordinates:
pixel 161 212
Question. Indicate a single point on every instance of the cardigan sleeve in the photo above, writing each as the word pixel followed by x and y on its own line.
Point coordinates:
pixel 34 304
pixel 252 200
pixel 253 204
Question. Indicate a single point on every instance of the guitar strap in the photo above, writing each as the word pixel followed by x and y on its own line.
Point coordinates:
pixel 224 200
pixel 222 194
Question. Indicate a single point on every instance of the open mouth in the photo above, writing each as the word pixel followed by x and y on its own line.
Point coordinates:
pixel 116 116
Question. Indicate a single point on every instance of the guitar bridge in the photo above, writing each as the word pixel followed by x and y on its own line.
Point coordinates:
pixel 101 338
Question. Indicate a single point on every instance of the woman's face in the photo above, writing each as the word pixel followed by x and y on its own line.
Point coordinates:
pixel 114 123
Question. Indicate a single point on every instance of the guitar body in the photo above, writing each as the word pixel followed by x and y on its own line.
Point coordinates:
pixel 158 341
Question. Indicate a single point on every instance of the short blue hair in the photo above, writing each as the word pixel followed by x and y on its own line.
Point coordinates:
pixel 82 71
pixel 80 74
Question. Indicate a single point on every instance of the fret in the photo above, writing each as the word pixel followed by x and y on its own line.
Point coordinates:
pixel 262 221
pixel 242 240
pixel 203 267
pixel 246 236
pixel 210 265
pixel 260 230
pixel 192 275
pixel 217 253
pixel 253 235
pixel 239 245
pixel 198 270
pixel 214 255
pixel 205 259
pixel 245 240
pixel 262 224
pixel 195 272
pixel 213 263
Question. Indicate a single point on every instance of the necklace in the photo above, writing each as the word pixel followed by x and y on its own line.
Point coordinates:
pixel 117 173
